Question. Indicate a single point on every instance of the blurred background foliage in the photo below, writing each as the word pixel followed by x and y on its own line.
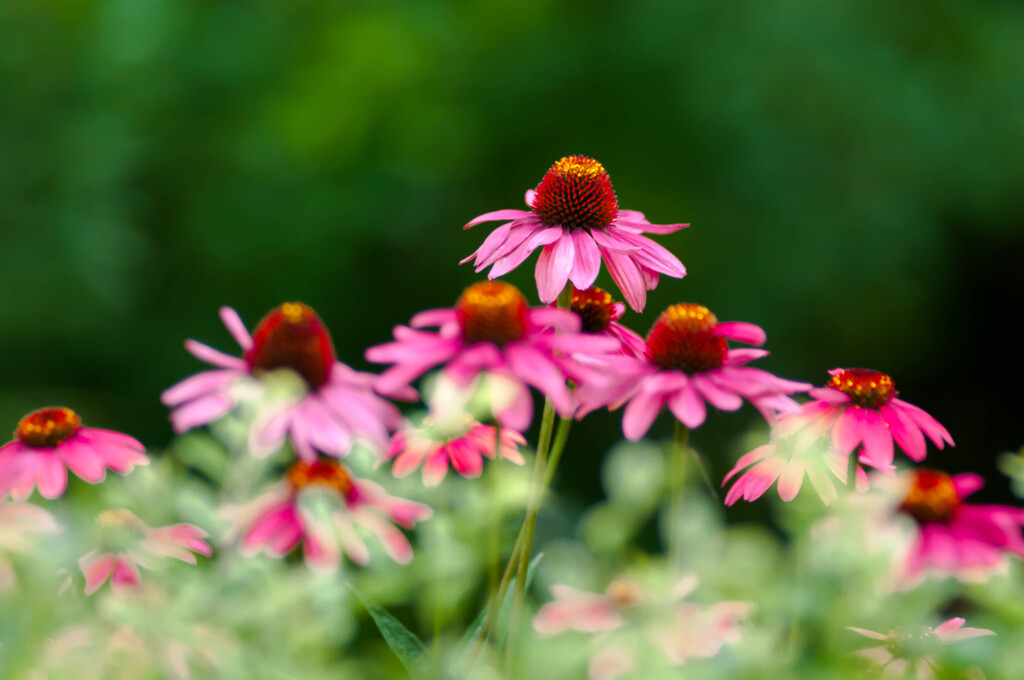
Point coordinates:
pixel 853 173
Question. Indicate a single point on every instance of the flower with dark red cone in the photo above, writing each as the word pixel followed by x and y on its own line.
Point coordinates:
pixel 862 409
pixel 290 514
pixel 954 537
pixel 575 217
pixel 492 331
pixel 50 441
pixel 599 314
pixel 689 363
pixel 337 407
pixel 128 544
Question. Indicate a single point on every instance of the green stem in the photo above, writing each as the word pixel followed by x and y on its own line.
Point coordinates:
pixel 851 470
pixel 561 436
pixel 677 482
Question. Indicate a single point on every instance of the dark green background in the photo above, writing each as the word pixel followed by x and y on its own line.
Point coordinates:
pixel 853 171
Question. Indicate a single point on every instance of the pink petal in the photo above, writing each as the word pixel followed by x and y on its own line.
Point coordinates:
pixel 878 449
pixel 716 396
pixel 126 574
pixel 791 480
pixel 627 277
pixel 553 268
pixel 199 385
pixel 534 368
pixel 742 332
pixel 201 412
pixel 931 427
pixel 905 432
pixel 238 331
pixel 748 459
pixel 466 459
pixel 80 457
pixel 587 262
pixel 967 483
pixel 846 431
pixel 640 414
pixel 215 357
pixel 53 476
pixel 688 406
pixel 96 568
pixel 436 467
pixel 496 215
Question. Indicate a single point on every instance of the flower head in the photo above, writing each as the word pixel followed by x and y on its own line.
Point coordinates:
pixel 575 217
pixel 905 655
pixel 335 407
pixel 320 505
pixel 126 543
pixel 599 314
pixel 862 408
pixel 50 441
pixel 492 331
pixel 688 362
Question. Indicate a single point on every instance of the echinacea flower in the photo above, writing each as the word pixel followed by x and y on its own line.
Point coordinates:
pixel 336 408
pixel 50 441
pixel 688 362
pixel 127 543
pixel 492 331
pixel 799 447
pixel 862 408
pixel 19 524
pixel 586 612
pixel 600 314
pixel 321 505
pixel 903 655
pixel 575 217
pixel 464 448
pixel 954 537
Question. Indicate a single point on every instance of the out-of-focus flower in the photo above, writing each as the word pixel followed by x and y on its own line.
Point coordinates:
pixel 434 445
pixel 861 407
pixel 599 314
pixel 688 362
pixel 954 536
pixel 799 447
pixel 492 331
pixel 321 505
pixel 19 524
pixel 50 441
pixel 126 544
pixel 903 655
pixel 575 217
pixel 627 614
pixel 336 408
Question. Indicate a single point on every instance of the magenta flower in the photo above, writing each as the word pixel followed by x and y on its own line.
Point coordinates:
pixel 599 313
pixel 688 362
pixel 465 450
pixel 953 536
pixel 337 408
pixel 575 217
pixel 128 544
pixel 861 407
pixel 50 441
pixel 799 448
pixel 492 331
pixel 902 655
pixel 277 522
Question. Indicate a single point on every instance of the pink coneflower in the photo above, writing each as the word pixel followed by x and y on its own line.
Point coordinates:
pixel 688 362
pixel 128 544
pixel 50 441
pixel 278 521
pixel 903 655
pixel 861 407
pixel 464 447
pixel 575 216
pixel 799 447
pixel 492 331
pixel 599 314
pixel 337 408
pixel 953 536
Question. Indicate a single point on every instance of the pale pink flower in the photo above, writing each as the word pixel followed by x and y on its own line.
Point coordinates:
pixel 337 408
pixel 492 331
pixel 20 524
pixel 575 217
pixel 701 632
pixel 688 362
pixel 127 544
pixel 600 314
pixel 587 612
pixel 286 516
pixel 952 536
pixel 50 441
pixel 903 655
pixel 862 408
pixel 464 447
pixel 799 448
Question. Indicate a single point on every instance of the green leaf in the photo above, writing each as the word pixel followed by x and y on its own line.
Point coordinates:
pixel 406 646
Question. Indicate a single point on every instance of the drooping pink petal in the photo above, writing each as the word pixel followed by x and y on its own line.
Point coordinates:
pixel 201 412
pixel 878 448
pixel 496 215
pixel 53 476
pixel 126 574
pixel 238 331
pixel 742 332
pixel 688 406
pixel 199 385
pixel 96 568
pixel 587 261
pixel 791 480
pixel 553 268
pixel 627 277
pixel 640 413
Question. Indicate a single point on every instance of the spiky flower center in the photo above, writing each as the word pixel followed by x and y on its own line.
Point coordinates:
pixel 684 339
pixel 624 593
pixel 864 387
pixel 293 336
pixel 576 193
pixel 47 427
pixel 492 311
pixel 323 472
pixel 932 497
pixel 595 308
pixel 119 529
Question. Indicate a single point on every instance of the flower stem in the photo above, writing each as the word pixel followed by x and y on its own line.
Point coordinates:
pixel 561 436
pixel 677 482
pixel 851 470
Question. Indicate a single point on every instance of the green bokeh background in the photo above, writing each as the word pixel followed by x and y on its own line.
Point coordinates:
pixel 853 172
